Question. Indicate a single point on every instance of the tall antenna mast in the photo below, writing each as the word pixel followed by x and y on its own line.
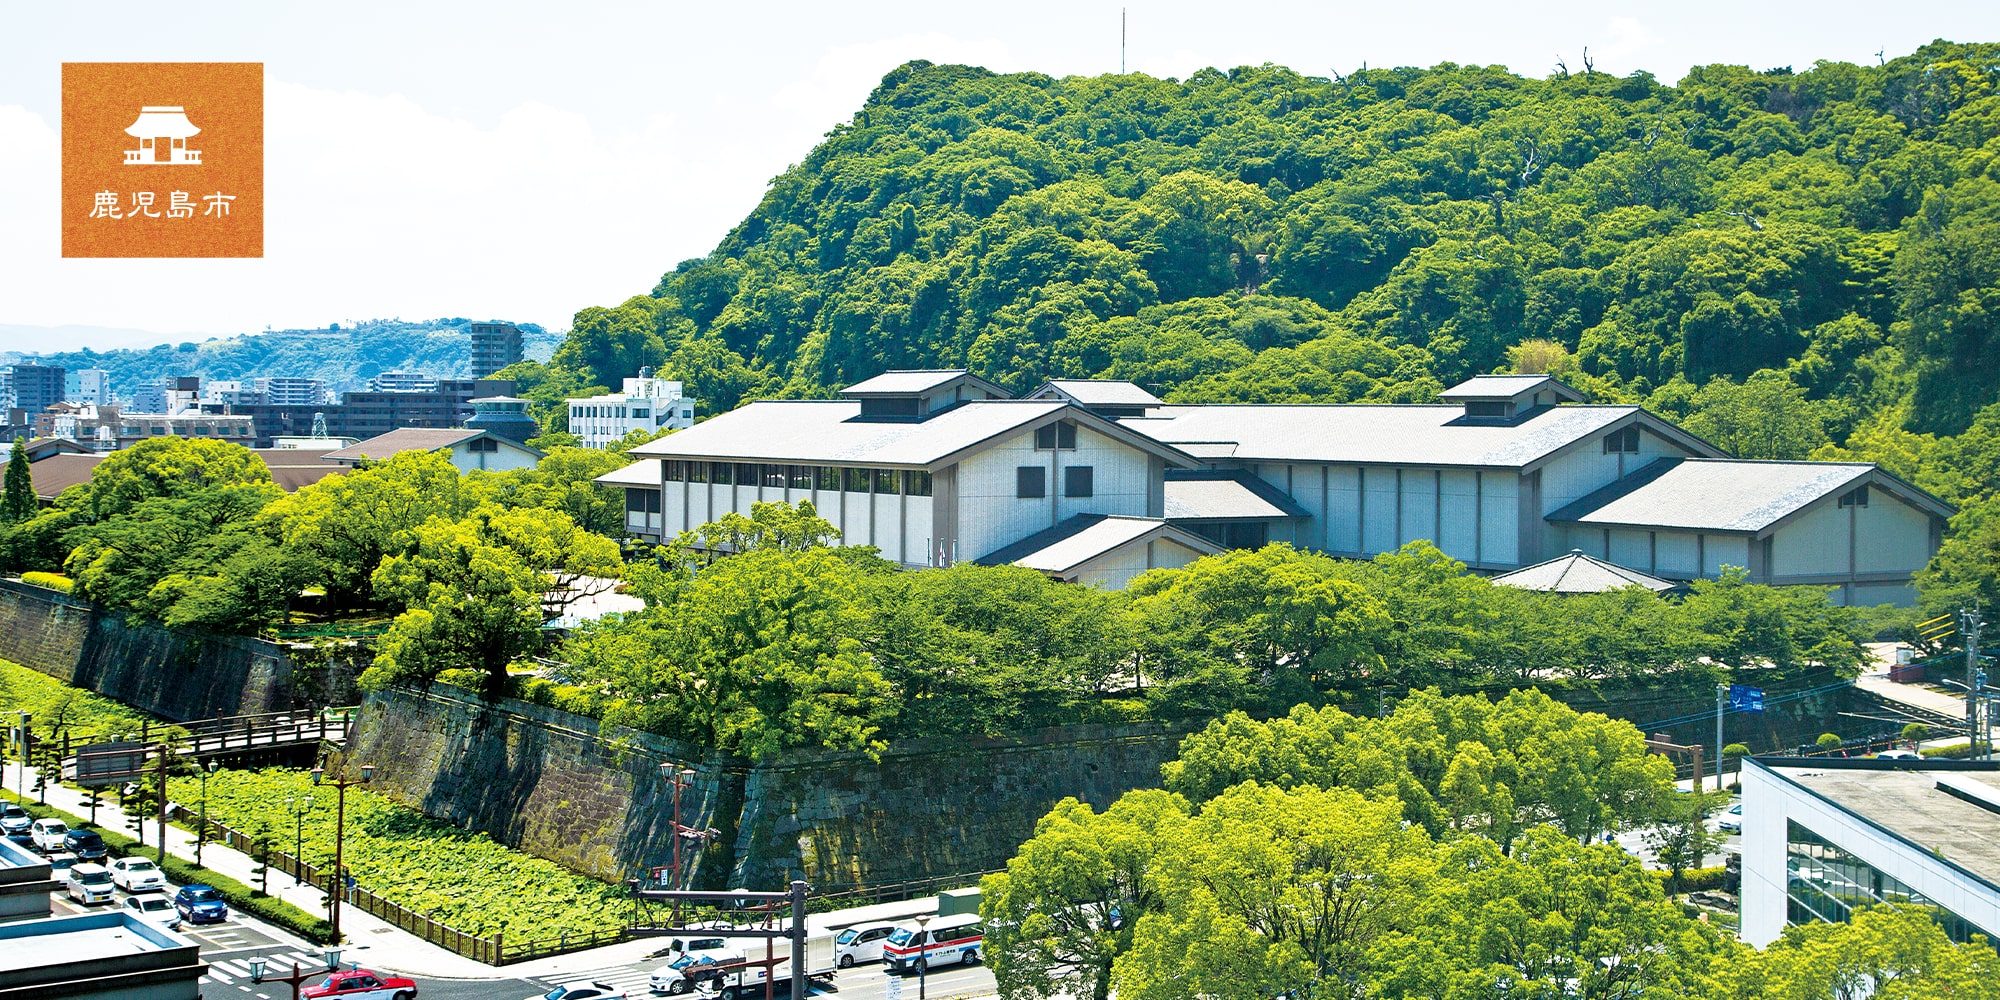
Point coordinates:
pixel 1121 41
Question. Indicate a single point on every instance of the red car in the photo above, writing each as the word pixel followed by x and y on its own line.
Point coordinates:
pixel 362 984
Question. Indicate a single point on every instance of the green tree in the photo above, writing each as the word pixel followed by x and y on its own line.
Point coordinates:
pixel 168 467
pixel 1887 953
pixel 1684 838
pixel 17 497
pixel 1764 417
pixel 1064 909
pixel 340 528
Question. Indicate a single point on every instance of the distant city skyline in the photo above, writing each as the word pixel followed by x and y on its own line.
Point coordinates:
pixel 541 159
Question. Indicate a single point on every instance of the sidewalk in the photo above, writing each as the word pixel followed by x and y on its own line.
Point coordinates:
pixel 370 941
pixel 1877 682
pixel 375 943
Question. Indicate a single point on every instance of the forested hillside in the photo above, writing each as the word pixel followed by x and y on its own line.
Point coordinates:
pixel 345 358
pixel 1825 242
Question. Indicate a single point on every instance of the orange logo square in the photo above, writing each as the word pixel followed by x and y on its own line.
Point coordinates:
pixel 163 159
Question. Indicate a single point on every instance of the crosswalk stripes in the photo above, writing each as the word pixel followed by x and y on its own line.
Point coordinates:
pixel 624 977
pixel 227 970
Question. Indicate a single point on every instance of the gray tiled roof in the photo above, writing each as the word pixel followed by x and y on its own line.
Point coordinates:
pixel 1102 392
pixel 1503 386
pixel 1378 435
pixel 644 472
pixel 1577 573
pixel 1713 494
pixel 911 382
pixel 403 439
pixel 1084 537
pixel 1204 495
pixel 825 432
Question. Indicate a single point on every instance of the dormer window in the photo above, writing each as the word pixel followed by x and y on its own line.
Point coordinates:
pixel 1059 436
pixel 1488 408
pixel 1856 497
pixel 1622 442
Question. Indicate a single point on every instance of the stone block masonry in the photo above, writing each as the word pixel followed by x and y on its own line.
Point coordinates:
pixel 180 676
pixel 589 796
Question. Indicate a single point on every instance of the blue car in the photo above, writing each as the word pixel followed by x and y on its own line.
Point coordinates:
pixel 201 904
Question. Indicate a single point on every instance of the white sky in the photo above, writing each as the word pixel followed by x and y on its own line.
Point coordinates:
pixel 523 160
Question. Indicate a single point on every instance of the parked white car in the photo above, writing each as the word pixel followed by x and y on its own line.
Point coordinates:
pixel 582 989
pixel 694 962
pixel 861 943
pixel 48 835
pixel 88 884
pixel 156 909
pixel 138 875
pixel 1731 820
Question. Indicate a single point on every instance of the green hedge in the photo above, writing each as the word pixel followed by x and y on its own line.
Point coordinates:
pixel 183 872
pixel 1696 879
pixel 53 581
pixel 1949 753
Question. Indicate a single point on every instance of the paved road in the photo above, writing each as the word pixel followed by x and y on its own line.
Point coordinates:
pixel 867 982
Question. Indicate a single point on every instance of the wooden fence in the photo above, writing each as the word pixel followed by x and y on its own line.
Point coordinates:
pixel 491 949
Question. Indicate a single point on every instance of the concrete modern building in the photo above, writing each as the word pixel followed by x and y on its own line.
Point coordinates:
pixel 646 404
pixel 31 387
pixel 90 385
pixel 1823 838
pixel 1508 472
pixel 403 382
pixel 469 449
pixel 136 427
pixel 494 346
pixel 97 956
pixel 290 391
pixel 26 879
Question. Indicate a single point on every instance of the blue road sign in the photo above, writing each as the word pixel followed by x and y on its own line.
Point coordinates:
pixel 1743 698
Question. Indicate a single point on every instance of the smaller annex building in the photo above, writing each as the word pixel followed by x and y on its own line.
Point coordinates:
pixel 98 956
pixel 468 448
pixel 1823 838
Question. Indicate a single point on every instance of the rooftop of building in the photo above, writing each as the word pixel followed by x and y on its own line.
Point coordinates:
pixel 1932 805
pixel 1387 434
pixel 1084 537
pixel 1730 495
pixel 831 432
pixel 1216 495
pixel 404 439
pixel 66 941
pixel 1577 573
pixel 1098 392
pixel 919 381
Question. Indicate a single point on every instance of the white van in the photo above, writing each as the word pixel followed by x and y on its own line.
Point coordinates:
pixel 861 943
pixel 88 884
pixel 957 938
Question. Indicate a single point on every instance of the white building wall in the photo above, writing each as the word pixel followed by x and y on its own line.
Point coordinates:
pixel 1117 568
pixel 1343 515
pixel 990 515
pixel 1583 468
pixel 1676 554
pixel 1420 508
pixel 504 460
pixel 1461 514
pixel 1770 801
pixel 1891 536
pixel 1378 515
pixel 1631 548
pixel 1815 543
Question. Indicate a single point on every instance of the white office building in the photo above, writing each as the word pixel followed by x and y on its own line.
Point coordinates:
pixel 1823 838
pixel 1508 472
pixel 646 404
pixel 292 391
pixel 89 385
pixel 403 382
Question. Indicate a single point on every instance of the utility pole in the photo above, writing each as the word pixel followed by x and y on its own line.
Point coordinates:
pixel 1721 700
pixel 164 751
pixel 1969 620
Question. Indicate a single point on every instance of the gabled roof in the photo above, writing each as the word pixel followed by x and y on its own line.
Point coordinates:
pixel 826 432
pixel 416 439
pixel 1219 495
pixel 57 473
pixel 918 382
pixel 1730 495
pixel 1407 435
pixel 644 472
pixel 1508 387
pixel 1577 573
pixel 46 447
pixel 1061 549
pixel 1096 392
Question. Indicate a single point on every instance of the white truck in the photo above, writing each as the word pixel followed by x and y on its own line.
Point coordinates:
pixel 747 982
pixel 693 961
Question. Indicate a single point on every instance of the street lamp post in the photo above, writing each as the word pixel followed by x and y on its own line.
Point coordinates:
pixel 297 977
pixel 201 832
pixel 339 885
pixel 298 812
pixel 923 953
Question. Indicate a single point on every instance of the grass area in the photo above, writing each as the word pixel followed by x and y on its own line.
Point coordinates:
pixel 58 708
pixel 462 878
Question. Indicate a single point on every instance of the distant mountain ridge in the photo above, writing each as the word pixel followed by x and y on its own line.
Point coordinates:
pixel 346 357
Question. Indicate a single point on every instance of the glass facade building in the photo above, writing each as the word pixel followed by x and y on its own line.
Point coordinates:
pixel 1825 882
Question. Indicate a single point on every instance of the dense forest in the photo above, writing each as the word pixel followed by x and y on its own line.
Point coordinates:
pixel 1794 264
pixel 345 357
